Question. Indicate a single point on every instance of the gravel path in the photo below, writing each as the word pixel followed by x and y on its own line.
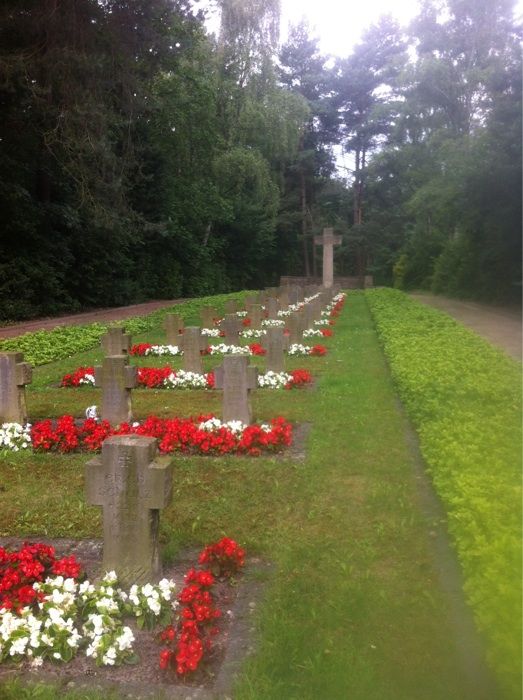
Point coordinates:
pixel 113 314
pixel 500 325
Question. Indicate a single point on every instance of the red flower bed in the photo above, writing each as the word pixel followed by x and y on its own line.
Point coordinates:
pixel 190 635
pixel 148 377
pixel 318 350
pixel 75 378
pixel 257 349
pixel 326 332
pixel 173 434
pixel 246 321
pixel 140 348
pixel 153 377
pixel 300 377
pixel 20 569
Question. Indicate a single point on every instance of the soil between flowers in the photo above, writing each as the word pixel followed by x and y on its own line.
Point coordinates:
pixel 214 679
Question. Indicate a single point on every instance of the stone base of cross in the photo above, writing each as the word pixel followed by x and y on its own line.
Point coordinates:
pixel 131 484
pixel 328 240
pixel 237 379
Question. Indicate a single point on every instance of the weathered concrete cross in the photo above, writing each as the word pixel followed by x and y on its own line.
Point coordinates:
pixel 328 240
pixel 173 328
pixel 131 484
pixel 274 344
pixel 116 342
pixel 116 378
pixel 14 375
pixel 237 379
pixel 256 316
pixel 192 342
pixel 231 326
pixel 207 315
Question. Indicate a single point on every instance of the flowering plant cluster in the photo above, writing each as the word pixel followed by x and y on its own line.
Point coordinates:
pixel 63 616
pixel 19 570
pixel 322 322
pixel 15 437
pixel 148 377
pixel 190 636
pixel 147 350
pixel 81 376
pixel 284 380
pixel 224 349
pixel 212 332
pixel 318 332
pixel 273 323
pixel 204 435
pixel 297 349
pixel 253 333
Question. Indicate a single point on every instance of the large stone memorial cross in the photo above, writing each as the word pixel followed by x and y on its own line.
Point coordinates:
pixel 131 484
pixel 231 326
pixel 116 378
pixel 14 375
pixel 275 344
pixel 116 342
pixel 173 327
pixel 237 379
pixel 192 343
pixel 328 240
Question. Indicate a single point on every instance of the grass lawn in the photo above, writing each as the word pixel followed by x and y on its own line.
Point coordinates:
pixel 353 607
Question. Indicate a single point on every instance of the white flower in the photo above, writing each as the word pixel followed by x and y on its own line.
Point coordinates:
pixel 298 349
pixel 273 323
pixel 311 332
pixel 274 380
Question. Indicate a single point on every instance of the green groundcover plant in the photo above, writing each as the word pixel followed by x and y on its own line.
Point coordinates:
pixel 464 399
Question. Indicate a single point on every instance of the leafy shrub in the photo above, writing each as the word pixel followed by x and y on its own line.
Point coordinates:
pixel 464 399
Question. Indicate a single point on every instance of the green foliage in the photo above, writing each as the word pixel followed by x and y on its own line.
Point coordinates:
pixel 464 398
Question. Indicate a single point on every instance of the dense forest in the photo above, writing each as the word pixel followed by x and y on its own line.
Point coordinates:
pixel 142 157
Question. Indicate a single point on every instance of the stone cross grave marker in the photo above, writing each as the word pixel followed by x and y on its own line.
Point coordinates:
pixel 284 299
pixel 231 306
pixel 237 379
pixel 192 342
pixel 308 316
pixel 328 240
pixel 295 326
pixel 173 328
pixel 116 342
pixel 231 326
pixel 275 345
pixel 14 375
pixel 273 306
pixel 256 315
pixel 207 315
pixel 116 378
pixel 132 484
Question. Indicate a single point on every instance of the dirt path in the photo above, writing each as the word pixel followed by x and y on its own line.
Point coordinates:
pixel 501 326
pixel 113 314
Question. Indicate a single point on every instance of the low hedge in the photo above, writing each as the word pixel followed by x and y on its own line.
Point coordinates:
pixel 464 398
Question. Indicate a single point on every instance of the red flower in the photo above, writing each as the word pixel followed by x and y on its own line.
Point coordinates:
pixel 318 350
pixel 257 349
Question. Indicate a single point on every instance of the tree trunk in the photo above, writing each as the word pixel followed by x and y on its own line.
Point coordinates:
pixel 303 196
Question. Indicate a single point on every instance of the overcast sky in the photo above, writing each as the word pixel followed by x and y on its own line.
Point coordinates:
pixel 339 24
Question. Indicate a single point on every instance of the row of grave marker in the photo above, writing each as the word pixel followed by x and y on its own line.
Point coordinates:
pixel 129 480
pixel 117 378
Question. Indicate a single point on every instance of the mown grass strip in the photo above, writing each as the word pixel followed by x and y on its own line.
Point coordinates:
pixel 464 398
pixel 61 342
